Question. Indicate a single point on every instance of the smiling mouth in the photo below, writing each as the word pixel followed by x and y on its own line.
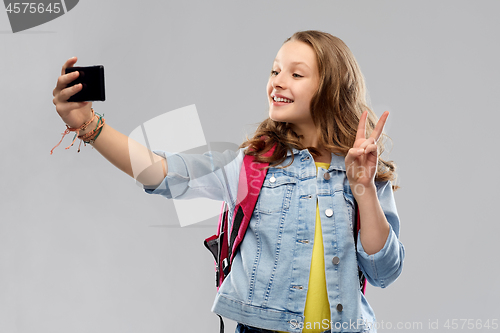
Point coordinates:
pixel 282 100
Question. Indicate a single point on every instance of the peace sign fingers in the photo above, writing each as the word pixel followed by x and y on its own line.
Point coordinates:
pixel 362 159
pixel 380 126
pixel 361 133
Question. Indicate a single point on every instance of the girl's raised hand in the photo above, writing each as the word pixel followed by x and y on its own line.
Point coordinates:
pixel 362 159
pixel 74 114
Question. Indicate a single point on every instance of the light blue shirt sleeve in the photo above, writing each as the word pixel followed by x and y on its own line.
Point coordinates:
pixel 383 268
pixel 213 175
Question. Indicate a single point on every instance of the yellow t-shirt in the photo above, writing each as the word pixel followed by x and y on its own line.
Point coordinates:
pixel 317 309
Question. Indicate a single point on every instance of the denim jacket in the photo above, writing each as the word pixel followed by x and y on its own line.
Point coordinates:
pixel 267 285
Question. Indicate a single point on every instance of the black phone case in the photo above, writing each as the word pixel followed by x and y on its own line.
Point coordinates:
pixel 92 79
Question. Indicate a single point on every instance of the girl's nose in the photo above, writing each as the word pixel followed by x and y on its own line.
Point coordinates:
pixel 278 81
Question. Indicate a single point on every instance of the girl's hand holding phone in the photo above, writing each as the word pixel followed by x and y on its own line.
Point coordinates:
pixel 74 114
pixel 362 159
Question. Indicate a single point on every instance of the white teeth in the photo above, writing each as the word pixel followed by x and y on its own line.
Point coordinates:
pixel 279 99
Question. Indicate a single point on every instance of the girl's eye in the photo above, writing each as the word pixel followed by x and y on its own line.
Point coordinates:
pixel 274 73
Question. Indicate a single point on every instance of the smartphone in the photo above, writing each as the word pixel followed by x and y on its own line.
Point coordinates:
pixel 92 80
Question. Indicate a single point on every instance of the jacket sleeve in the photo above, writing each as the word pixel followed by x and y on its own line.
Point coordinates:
pixel 213 175
pixel 383 268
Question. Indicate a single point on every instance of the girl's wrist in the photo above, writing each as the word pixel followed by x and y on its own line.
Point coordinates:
pixel 359 191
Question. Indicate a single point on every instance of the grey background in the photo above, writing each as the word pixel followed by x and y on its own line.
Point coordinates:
pixel 84 249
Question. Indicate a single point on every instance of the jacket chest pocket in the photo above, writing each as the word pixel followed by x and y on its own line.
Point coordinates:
pixel 276 193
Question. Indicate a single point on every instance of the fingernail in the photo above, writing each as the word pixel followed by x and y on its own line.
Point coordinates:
pixel 361 151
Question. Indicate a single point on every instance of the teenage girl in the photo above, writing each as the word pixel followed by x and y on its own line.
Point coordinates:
pixel 297 268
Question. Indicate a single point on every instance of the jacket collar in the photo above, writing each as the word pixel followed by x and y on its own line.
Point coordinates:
pixel 337 162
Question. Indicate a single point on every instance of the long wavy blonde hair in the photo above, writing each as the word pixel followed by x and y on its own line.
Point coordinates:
pixel 335 108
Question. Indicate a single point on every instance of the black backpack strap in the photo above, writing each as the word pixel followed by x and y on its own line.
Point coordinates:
pixel 355 229
pixel 234 231
pixel 221 324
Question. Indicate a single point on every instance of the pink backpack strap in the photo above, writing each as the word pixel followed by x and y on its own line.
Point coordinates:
pixel 250 183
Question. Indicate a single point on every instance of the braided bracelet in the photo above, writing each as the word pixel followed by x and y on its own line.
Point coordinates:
pixel 91 136
pixel 92 139
pixel 77 130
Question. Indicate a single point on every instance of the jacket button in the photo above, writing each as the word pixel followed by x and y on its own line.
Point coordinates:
pixel 326 176
pixel 272 179
pixel 339 307
pixel 336 260
pixel 328 212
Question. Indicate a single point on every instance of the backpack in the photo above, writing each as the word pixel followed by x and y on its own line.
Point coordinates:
pixel 251 180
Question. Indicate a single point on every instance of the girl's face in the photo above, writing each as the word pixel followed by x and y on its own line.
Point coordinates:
pixel 295 79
